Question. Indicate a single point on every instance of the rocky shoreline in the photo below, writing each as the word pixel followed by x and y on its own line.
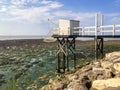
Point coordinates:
pixel 98 75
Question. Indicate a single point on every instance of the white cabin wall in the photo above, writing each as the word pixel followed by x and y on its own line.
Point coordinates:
pixel 66 26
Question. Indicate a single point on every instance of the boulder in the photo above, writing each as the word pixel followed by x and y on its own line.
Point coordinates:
pixel 56 84
pixel 112 56
pixel 116 66
pixel 109 84
pixel 32 87
pixel 76 86
pixel 96 64
pixel 98 70
pixel 72 77
pixel 106 64
pixel 97 75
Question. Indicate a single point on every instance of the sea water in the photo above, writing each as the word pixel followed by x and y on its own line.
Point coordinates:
pixel 21 37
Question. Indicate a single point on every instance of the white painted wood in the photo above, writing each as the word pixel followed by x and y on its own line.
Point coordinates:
pixel 71 27
pixel 113 29
pixel 66 27
pixel 102 29
pixel 96 24
pixel 117 30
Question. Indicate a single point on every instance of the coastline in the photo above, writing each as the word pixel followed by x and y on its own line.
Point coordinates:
pixel 22 42
pixel 35 60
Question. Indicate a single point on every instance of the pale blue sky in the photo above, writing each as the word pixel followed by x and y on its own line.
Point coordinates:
pixel 30 17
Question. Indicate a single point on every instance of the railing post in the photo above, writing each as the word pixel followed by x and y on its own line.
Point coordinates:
pixel 82 31
pixel 96 29
pixel 88 31
pixel 113 29
pixel 102 17
pixel 96 25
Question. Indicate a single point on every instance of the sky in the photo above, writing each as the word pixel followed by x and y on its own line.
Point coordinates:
pixel 38 17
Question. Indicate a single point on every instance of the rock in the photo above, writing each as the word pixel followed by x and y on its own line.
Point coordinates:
pixel 96 64
pixel 87 68
pixel 116 66
pixel 108 74
pixel 72 77
pixel 57 85
pixel 32 87
pixel 98 75
pixel 2 78
pixel 28 65
pixel 76 86
pixel 17 75
pixel 1 74
pixel 116 60
pixel 106 64
pixel 112 56
pixel 92 76
pixel 46 87
pixel 98 70
pixel 106 84
pixel 51 81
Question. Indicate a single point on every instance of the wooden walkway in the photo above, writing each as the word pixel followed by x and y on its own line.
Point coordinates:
pixel 66 43
pixel 66 46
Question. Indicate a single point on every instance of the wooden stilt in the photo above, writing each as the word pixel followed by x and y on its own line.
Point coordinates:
pixel 98 47
pixel 65 45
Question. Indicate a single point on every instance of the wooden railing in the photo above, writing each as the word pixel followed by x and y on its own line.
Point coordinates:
pixel 99 30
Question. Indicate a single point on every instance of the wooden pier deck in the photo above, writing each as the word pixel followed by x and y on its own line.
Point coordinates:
pixel 66 44
pixel 67 36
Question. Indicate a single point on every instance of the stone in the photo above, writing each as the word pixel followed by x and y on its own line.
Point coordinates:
pixel 98 75
pixel 104 84
pixel 96 64
pixel 106 64
pixel 87 68
pixel 112 56
pixel 92 76
pixel 98 70
pixel 116 66
pixel 57 85
pixel 76 86
pixel 116 60
pixel 51 81
pixel 72 77
pixel 32 87
pixel 108 74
